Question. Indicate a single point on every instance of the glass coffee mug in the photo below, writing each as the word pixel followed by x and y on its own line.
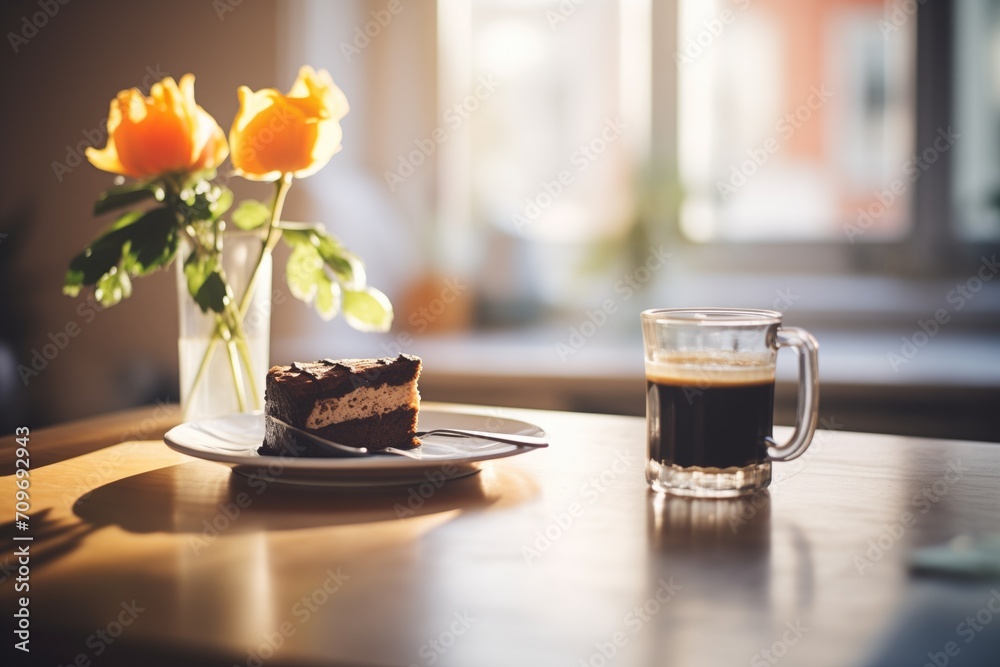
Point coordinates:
pixel 710 399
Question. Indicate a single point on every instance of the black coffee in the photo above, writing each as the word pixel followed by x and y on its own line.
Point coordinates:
pixel 709 425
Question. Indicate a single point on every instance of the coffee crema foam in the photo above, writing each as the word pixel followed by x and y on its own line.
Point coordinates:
pixel 711 369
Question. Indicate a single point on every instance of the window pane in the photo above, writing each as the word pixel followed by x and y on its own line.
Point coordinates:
pixel 976 184
pixel 795 120
pixel 539 172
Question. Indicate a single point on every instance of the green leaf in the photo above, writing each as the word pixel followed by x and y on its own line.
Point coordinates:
pixel 308 281
pixel 101 256
pixel 251 214
pixel 205 283
pixel 212 293
pixel 346 266
pixel 314 251
pixel 152 242
pixel 125 219
pixel 327 298
pixel 126 195
pixel 113 286
pixel 367 310
pixel 137 244
pixel 302 271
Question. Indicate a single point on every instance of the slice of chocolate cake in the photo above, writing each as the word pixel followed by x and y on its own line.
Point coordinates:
pixel 369 403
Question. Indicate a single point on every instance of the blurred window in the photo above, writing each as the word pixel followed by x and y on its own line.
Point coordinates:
pixel 553 158
pixel 867 139
pixel 809 139
pixel 976 107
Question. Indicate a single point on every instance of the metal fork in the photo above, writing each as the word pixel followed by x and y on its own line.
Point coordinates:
pixel 347 450
pixel 510 438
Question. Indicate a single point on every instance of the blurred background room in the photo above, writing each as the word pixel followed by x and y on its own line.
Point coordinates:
pixel 523 177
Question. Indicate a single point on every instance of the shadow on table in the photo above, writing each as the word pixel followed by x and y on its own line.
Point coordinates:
pixel 49 541
pixel 200 498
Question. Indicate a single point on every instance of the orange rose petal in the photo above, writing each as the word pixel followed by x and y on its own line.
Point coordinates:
pixel 162 133
pixel 275 142
pixel 214 151
pixel 328 144
pixel 106 159
pixel 297 134
pixel 156 144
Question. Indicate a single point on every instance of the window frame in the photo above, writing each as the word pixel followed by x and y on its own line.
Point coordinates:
pixel 931 249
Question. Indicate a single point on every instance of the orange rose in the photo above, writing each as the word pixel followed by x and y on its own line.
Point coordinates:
pixel 298 133
pixel 163 133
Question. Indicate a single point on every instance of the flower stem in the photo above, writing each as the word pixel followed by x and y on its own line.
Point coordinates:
pixel 244 351
pixel 232 331
pixel 270 240
pixel 202 367
pixel 234 366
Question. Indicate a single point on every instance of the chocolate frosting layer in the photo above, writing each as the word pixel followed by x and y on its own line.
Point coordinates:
pixel 329 372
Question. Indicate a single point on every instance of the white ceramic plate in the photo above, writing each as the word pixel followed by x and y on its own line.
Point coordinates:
pixel 234 440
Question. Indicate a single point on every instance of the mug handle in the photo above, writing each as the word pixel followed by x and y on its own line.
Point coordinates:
pixel 807 349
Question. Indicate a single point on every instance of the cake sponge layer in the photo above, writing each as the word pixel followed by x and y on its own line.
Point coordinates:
pixel 362 403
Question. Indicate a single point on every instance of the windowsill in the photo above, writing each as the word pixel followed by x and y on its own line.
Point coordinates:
pixel 945 389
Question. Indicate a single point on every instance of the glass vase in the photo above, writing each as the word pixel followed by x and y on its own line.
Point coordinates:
pixel 225 377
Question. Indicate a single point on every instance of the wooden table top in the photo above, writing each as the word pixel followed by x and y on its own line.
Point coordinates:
pixel 142 555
